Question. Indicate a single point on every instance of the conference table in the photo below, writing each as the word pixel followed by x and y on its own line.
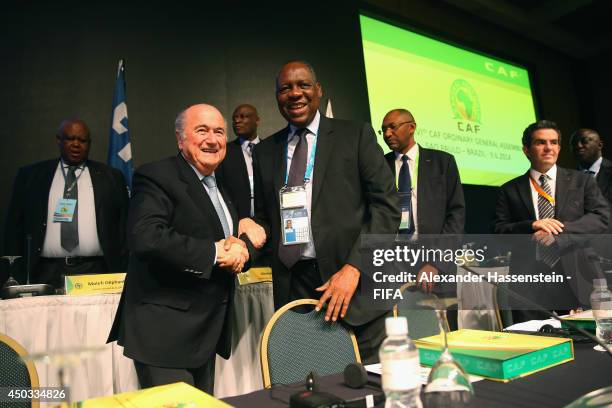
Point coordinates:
pixel 554 387
pixel 65 323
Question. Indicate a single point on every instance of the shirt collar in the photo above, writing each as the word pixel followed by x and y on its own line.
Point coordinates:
pixel 594 167
pixel 245 142
pixel 411 153
pixel 197 172
pixel 313 127
pixel 551 174
pixel 66 165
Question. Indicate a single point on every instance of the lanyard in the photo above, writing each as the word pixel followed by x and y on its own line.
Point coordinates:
pixel 76 178
pixel 413 174
pixel 541 192
pixel 309 164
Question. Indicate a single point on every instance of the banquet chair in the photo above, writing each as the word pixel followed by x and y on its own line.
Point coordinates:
pixel 16 373
pixel 294 344
pixel 420 310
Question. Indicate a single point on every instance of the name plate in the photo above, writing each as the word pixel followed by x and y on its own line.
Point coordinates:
pixel 103 283
pixel 255 275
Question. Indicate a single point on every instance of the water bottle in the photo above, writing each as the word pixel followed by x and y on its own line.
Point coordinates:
pixel 401 372
pixel 601 303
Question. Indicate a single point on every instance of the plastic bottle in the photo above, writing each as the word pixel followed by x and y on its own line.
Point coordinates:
pixel 399 358
pixel 601 303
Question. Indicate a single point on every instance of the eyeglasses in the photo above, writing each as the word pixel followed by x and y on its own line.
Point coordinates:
pixel 393 127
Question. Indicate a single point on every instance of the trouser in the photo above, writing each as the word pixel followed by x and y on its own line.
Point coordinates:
pixel 202 377
pixel 52 270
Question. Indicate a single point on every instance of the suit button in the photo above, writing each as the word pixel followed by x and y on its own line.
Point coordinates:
pixel 38 249
pixel 44 224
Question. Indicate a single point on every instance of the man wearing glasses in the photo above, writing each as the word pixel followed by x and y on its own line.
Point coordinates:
pixel 428 184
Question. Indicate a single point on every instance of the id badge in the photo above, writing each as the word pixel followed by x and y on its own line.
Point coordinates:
pixel 406 210
pixel 294 215
pixel 64 210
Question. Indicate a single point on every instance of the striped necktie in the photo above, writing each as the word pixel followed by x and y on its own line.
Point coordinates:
pixel 213 193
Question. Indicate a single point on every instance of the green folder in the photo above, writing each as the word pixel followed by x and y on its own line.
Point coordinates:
pixel 498 356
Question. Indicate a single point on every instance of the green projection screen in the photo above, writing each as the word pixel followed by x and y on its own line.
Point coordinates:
pixel 470 105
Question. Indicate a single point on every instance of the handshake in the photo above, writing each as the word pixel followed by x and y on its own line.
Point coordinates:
pixel 232 252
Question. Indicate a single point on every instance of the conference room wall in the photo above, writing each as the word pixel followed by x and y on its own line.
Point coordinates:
pixel 60 61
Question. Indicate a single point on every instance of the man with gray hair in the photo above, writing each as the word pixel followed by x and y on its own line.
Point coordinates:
pixel 67 215
pixel 174 311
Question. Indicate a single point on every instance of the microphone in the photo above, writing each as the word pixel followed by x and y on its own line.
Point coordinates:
pixel 536 306
pixel 356 376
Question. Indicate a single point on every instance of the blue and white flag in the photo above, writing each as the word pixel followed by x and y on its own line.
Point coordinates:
pixel 328 112
pixel 119 147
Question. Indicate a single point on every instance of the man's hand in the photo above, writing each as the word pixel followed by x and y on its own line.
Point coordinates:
pixel 425 278
pixel 549 225
pixel 234 257
pixel 544 238
pixel 339 291
pixel 254 231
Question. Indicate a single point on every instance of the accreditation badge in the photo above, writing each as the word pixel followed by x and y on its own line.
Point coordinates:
pixel 294 215
pixel 406 210
pixel 64 210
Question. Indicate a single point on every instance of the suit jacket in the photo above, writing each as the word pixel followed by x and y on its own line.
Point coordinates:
pixel 352 194
pixel 27 213
pixel 604 181
pixel 235 178
pixel 175 306
pixel 440 202
pixel 579 206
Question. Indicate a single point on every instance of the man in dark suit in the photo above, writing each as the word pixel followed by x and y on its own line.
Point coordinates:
pixel 554 205
pixel 90 236
pixel 348 192
pixel 587 147
pixel 174 311
pixel 434 201
pixel 236 171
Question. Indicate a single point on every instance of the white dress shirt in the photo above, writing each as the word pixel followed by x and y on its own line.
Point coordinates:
pixel 412 154
pixel 89 244
pixel 308 251
pixel 248 161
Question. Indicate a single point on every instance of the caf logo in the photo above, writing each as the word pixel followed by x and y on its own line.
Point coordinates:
pixel 464 101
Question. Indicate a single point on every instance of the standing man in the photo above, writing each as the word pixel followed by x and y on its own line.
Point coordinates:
pixel 173 315
pixel 342 189
pixel 587 148
pixel 428 184
pixel 237 168
pixel 69 212
pixel 552 204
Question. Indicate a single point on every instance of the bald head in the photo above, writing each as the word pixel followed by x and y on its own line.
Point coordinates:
pixel 73 141
pixel 398 130
pixel 245 121
pixel 201 137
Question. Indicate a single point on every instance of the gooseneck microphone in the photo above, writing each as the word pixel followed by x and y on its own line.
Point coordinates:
pixel 536 306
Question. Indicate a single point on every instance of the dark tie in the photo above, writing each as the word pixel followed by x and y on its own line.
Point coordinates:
pixel 591 172
pixel 404 185
pixel 290 254
pixel 547 254
pixel 69 231
pixel 250 147
pixel 211 183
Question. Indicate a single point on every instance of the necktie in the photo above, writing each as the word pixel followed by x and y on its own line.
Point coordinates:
pixel 591 172
pixel 69 231
pixel 547 254
pixel 250 147
pixel 404 185
pixel 211 183
pixel 290 254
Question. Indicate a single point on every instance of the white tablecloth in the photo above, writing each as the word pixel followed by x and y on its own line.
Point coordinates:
pixel 59 322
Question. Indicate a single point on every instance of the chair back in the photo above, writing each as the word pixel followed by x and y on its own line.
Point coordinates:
pixel 294 344
pixel 16 373
pixel 420 310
